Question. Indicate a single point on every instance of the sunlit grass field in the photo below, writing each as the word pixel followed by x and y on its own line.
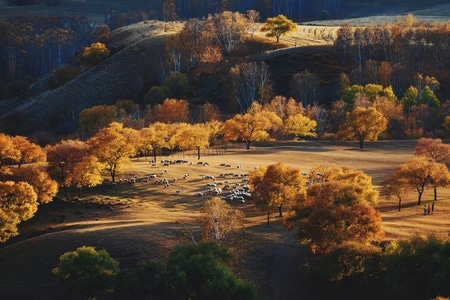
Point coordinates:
pixel 146 219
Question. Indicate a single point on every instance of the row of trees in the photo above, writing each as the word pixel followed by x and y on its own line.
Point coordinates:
pixel 408 45
pixel 330 206
pixel 426 169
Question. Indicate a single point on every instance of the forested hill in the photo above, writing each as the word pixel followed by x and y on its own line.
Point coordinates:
pixel 120 76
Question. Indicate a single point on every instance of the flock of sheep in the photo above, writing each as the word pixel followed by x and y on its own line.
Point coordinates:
pixel 230 186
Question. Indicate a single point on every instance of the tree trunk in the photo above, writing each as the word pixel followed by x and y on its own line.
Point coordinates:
pixel 198 153
pixel 419 198
pixel 399 203
pixel 247 145
pixel 435 194
pixel 268 219
pixel 361 143
pixel 280 213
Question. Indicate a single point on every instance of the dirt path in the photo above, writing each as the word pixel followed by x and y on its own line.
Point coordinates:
pixel 284 270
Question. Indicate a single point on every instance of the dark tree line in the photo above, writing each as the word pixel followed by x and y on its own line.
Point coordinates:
pixel 33 46
pixel 294 9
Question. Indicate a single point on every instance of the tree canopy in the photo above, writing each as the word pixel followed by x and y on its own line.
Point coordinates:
pixel 277 26
pixel 363 124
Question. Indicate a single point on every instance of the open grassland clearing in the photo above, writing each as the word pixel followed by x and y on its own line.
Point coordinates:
pixel 145 219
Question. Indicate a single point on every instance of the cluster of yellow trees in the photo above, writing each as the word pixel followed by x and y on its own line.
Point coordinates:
pixel 24 182
pixel 330 206
pixel 426 169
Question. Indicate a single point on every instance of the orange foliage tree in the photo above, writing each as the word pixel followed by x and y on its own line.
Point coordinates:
pixel 170 111
pixel 420 172
pixel 276 185
pixel 113 146
pixel 337 209
pixel 18 202
pixel 153 138
pixel 70 164
pixel 21 188
pixel 438 151
pixel 252 126
pixel 193 137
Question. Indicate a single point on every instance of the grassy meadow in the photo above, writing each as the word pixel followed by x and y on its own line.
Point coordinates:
pixel 146 219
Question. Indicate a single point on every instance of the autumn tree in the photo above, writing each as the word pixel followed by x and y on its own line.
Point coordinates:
pixel 94 54
pixel 8 152
pixel 436 150
pixel 417 174
pixel 230 29
pixel 70 164
pixel 446 124
pixel 251 127
pixel 284 107
pixel 153 138
pixel 276 185
pixel 207 112
pixel 192 45
pixel 37 176
pixel 253 17
pixel 193 137
pixel 91 120
pixel 395 116
pixel 393 186
pixel 363 124
pixel 220 221
pixel 18 202
pixel 216 131
pixel 29 151
pixel 337 209
pixel 410 98
pixel 277 26
pixel 170 111
pixel 113 146
pixel 300 126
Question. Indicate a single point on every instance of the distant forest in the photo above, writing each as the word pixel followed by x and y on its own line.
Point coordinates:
pixel 298 10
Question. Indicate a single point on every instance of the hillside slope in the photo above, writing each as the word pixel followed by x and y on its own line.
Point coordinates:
pixel 121 76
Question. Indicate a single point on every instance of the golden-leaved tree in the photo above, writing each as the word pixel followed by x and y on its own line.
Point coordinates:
pixel 276 185
pixel 439 152
pixel 277 26
pixel 192 137
pixel 253 126
pixel 18 202
pixel 419 173
pixel 363 124
pixel 220 221
pixel 153 138
pixel 70 163
pixel 113 146
pixel 24 183
pixel 337 209
pixel 300 126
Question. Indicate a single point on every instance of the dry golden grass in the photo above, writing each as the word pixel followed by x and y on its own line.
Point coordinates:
pixel 142 220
